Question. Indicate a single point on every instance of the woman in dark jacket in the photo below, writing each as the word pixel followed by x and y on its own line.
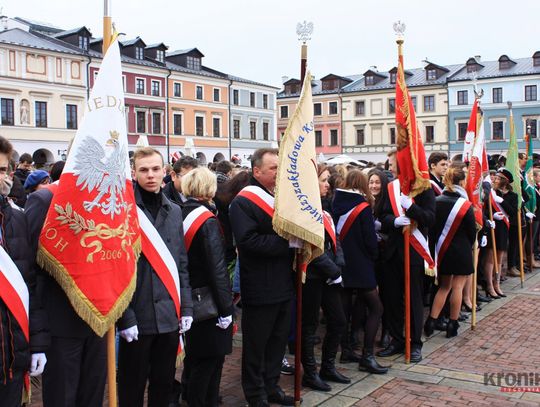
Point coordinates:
pixel 359 242
pixel 208 340
pixel 323 289
pixel 507 200
pixel 456 263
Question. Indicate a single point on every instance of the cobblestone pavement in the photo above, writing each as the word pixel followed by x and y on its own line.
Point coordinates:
pixel 452 372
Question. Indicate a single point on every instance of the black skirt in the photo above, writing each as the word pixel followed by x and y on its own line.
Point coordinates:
pixel 501 236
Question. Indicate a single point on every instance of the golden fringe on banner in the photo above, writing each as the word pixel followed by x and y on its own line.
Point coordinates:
pixel 84 308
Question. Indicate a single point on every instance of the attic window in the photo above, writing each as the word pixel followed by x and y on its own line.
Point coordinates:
pixel 504 64
pixel 330 84
pixel 431 74
pixel 139 53
pixel 160 55
pixel 193 63
pixel 393 77
pixel 83 42
pixel 536 60
pixel 369 80
pixel 472 68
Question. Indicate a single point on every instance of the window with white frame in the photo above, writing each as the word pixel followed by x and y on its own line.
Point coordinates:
pixel 332 108
pixel 177 124
pixel 265 101
pixel 156 123
pixel 177 90
pixel 284 112
pixel 461 130
pixel 199 126
pixel 497 129
pixel 199 94
pixel 216 126
pixel 156 88
pixel 253 129
pixel 140 84
pixel 266 127
pixel 160 55
pixel 139 53
pixel 236 128
pixel 141 121
pixel 217 95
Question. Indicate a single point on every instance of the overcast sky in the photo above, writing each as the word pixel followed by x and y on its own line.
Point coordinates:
pixel 257 39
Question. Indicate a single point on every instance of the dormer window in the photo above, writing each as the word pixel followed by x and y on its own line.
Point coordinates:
pixel 83 42
pixel 536 61
pixel 472 68
pixel 160 55
pixel 193 63
pixel 369 80
pixel 431 74
pixel 393 77
pixel 139 53
pixel 504 64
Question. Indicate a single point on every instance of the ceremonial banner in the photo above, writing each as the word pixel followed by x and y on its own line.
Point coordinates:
pixel 477 165
pixel 411 158
pixel 470 136
pixel 512 161
pixel 298 211
pixel 528 178
pixel 90 241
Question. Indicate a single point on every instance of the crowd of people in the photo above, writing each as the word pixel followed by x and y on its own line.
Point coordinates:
pixel 231 261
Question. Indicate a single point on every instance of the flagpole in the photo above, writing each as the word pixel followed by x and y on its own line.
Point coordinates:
pixel 298 344
pixel 111 333
pixel 475 247
pixel 520 238
pixel 493 242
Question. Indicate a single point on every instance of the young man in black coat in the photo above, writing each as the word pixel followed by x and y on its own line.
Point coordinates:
pixel 422 211
pixel 149 328
pixel 77 358
pixel 18 356
pixel 173 189
pixel 266 278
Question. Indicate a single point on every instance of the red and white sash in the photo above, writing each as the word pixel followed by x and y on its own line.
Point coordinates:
pixel 160 258
pixel 436 188
pixel 193 222
pixel 418 241
pixel 498 208
pixel 451 226
pixel 259 197
pixel 345 221
pixel 330 228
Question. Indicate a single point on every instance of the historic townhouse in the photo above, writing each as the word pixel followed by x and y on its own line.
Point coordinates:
pixel 369 104
pixel 173 102
pixel 327 110
pixel 507 79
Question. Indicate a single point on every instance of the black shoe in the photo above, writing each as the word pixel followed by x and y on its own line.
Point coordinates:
pixel 314 381
pixel 391 350
pixel 452 329
pixel 332 375
pixel 369 363
pixel 349 356
pixel 286 369
pixel 281 398
pixel 429 326
pixel 258 403
pixel 440 324
pixel 416 355
pixel 501 295
pixel 385 339
pixel 462 317
pixel 466 308
pixel 481 298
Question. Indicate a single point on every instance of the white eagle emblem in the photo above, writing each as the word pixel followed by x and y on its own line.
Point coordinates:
pixel 94 169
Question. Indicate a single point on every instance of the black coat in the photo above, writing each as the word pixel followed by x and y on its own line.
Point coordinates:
pixel 360 244
pixel 15 348
pixel 330 264
pixel 458 259
pixel 207 268
pixel 152 308
pixel 63 320
pixel 422 211
pixel 266 262
pixel 172 194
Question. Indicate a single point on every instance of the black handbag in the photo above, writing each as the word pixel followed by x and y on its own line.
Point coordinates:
pixel 204 306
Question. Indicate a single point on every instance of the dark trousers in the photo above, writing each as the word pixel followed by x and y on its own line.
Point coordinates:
pixel 202 385
pixel 75 372
pixel 394 302
pixel 316 294
pixel 11 392
pixel 513 247
pixel 152 358
pixel 265 329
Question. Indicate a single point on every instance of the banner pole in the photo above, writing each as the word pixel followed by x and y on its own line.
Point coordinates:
pixel 407 296
pixel 493 242
pixel 298 344
pixel 520 239
pixel 473 286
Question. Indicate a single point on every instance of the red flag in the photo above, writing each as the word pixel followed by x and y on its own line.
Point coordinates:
pixel 411 157
pixel 478 162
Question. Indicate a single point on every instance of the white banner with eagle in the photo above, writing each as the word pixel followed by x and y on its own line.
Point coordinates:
pixel 91 239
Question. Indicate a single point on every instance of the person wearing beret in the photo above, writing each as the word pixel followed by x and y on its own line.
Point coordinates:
pixel 36 180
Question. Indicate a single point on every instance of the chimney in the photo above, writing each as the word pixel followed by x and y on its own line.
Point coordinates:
pixel 373 68
pixel 478 58
pixel 284 79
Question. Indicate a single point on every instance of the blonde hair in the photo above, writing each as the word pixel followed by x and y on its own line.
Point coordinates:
pixel 199 183
pixel 454 175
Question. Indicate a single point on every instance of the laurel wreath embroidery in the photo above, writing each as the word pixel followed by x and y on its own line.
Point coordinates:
pixel 77 223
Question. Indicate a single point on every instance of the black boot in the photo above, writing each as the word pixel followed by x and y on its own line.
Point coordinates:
pixel 429 326
pixel 311 378
pixel 440 324
pixel 452 328
pixel 370 364
pixel 328 370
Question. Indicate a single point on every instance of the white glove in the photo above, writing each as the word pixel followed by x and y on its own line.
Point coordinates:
pixel 378 225
pixel 336 281
pixel 530 215
pixel 498 216
pixel 296 243
pixel 483 242
pixel 185 324
pixel 491 224
pixel 402 221
pixel 405 201
pixel 498 198
pixel 39 360
pixel 130 334
pixel 224 322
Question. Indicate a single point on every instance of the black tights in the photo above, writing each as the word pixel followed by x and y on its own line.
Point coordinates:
pixel 369 297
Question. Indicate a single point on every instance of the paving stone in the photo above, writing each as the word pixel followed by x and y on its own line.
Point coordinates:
pixel 339 401
pixel 366 386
